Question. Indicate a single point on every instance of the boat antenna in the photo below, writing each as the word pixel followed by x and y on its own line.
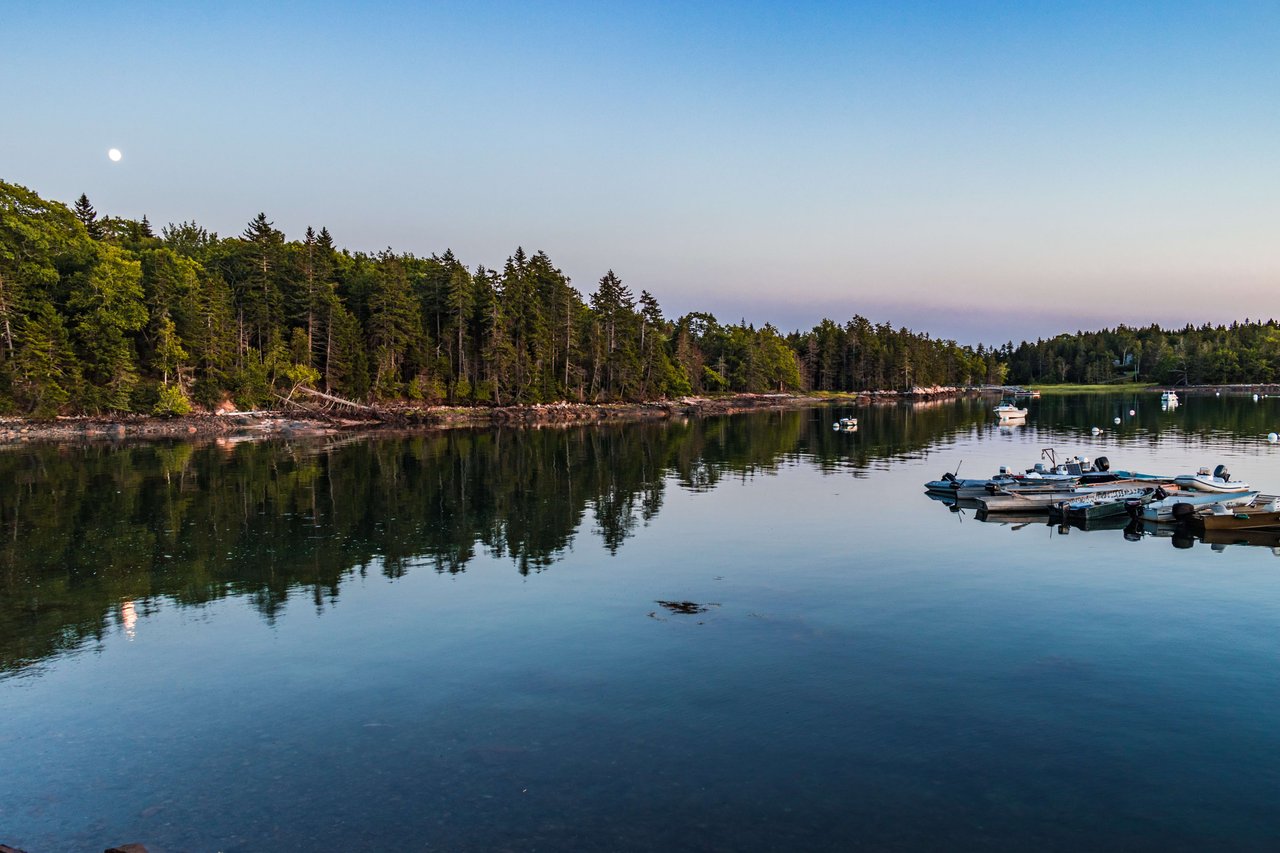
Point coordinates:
pixel 958 464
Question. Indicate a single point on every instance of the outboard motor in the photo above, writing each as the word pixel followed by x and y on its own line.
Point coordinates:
pixel 1102 463
pixel 1221 473
pixel 1159 494
pixel 1183 511
pixel 950 478
pixel 1133 507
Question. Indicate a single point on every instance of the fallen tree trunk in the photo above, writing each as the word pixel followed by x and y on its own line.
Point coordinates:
pixel 331 399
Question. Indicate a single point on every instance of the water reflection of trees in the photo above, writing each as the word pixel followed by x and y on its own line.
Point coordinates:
pixel 86 528
pixel 90 527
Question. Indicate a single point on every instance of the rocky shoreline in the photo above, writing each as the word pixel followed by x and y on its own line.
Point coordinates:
pixel 287 424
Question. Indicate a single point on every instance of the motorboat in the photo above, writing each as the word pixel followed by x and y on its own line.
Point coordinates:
pixel 1073 471
pixel 846 425
pixel 1043 500
pixel 1008 411
pixel 1106 503
pixel 1258 514
pixel 1219 481
pixel 1180 505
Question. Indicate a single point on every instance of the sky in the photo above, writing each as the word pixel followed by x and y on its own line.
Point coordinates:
pixel 979 171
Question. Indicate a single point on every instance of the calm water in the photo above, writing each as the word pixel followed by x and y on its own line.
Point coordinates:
pixel 744 633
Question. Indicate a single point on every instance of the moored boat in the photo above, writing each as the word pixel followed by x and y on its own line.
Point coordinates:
pixel 846 425
pixel 1261 513
pixel 1007 410
pixel 1076 471
pixel 1106 503
pixel 1182 504
pixel 1219 481
pixel 1042 500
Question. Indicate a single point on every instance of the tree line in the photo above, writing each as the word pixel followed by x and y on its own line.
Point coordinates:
pixel 102 314
pixel 1243 352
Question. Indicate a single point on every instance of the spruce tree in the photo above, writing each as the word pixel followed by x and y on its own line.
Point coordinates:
pixel 88 217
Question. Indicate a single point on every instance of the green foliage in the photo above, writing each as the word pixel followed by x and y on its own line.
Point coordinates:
pixel 45 373
pixel 252 382
pixel 1247 352
pixel 301 375
pixel 426 388
pixel 100 324
pixel 172 402
pixel 106 307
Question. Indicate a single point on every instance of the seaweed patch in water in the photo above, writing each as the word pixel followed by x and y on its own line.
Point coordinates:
pixel 687 608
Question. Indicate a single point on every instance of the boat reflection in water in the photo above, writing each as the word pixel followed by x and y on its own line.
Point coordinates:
pixel 1182 535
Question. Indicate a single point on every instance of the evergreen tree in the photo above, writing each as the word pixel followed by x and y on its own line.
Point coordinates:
pixel 88 217
pixel 107 306
pixel 257 286
pixel 460 301
pixel 187 238
pixel 393 324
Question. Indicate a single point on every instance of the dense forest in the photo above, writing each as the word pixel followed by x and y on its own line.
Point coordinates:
pixel 101 314
pixel 1247 352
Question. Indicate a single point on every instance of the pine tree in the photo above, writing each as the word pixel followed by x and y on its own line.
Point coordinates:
pixel 393 324
pixel 615 307
pixel 460 300
pixel 261 295
pixel 88 217
pixel 106 307
pixel 46 374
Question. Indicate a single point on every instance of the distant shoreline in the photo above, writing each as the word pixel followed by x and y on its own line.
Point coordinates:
pixel 1267 388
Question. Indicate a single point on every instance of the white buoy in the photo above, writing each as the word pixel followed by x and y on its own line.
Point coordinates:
pixel 1255 398
pixel 1132 413
pixel 1272 437
pixel 1117 422
pixel 1096 430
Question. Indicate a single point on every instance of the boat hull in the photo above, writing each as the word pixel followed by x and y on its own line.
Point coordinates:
pixel 1263 513
pixel 1201 483
pixel 1162 510
pixel 1105 505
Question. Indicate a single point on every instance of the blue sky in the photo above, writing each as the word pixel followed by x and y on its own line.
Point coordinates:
pixel 984 171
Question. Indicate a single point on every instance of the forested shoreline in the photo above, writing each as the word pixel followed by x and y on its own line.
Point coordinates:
pixel 101 315
pixel 1240 353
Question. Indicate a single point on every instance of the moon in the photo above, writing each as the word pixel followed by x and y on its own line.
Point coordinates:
pixel 114 155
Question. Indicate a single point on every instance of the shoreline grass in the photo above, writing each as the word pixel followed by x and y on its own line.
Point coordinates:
pixel 1112 388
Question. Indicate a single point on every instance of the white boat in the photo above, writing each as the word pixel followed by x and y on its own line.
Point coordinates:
pixel 1167 509
pixel 1008 411
pixel 1219 481
pixel 1169 400
pixel 845 425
